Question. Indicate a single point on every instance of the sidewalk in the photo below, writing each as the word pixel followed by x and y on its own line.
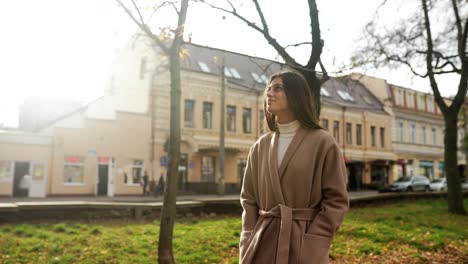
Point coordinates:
pixel 147 199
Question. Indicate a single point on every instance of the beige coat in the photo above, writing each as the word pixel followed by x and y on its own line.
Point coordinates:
pixel 291 212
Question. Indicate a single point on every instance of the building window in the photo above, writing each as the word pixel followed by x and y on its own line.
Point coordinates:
pixel 348 134
pixel 359 134
pixel 133 172
pixel 413 133
pixel 430 104
pixel 410 100
pixel 434 136
pixel 38 172
pixel 259 78
pixel 399 97
pixel 73 170
pixel 382 137
pixel 189 118
pixel 6 170
pixel 262 122
pixel 367 100
pixel 372 134
pixel 207 115
pixel 247 120
pixel 421 105
pixel 401 131
pixel 142 68
pixel 324 92
pixel 325 124
pixel 345 95
pixel 423 135
pixel 231 72
pixel 204 67
pixel 208 169
pixel 231 118
pixel 336 130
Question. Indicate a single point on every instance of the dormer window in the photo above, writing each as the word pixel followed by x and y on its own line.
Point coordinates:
pixel 259 78
pixel 231 72
pixel 204 67
pixel 345 95
pixel 324 92
pixel 367 100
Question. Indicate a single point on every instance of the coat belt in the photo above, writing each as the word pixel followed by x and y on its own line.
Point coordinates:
pixel 286 215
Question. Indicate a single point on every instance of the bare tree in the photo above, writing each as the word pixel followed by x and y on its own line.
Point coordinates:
pixel 172 48
pixel 428 50
pixel 316 43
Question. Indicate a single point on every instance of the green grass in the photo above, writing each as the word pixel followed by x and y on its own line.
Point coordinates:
pixel 407 228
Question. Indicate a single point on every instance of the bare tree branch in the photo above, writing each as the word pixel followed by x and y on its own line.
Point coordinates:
pixel 325 76
pixel 317 42
pixel 175 7
pixel 138 12
pixel 262 17
pixel 297 45
pixel 144 28
pixel 458 24
pixel 273 42
pixel 155 9
pixel 430 72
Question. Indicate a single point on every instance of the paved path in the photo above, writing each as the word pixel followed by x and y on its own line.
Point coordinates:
pixel 11 202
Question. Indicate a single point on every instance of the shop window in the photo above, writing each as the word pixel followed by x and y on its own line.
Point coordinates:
pixel 73 171
pixel 134 172
pixel 208 169
pixel 6 171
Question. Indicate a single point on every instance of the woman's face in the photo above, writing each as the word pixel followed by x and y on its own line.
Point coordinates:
pixel 276 100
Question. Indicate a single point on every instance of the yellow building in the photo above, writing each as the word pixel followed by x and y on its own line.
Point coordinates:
pixel 104 147
pixel 359 123
pixel 77 155
pixel 418 128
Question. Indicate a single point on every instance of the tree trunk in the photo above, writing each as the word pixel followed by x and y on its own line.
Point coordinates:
pixel 222 127
pixel 314 84
pixel 168 212
pixel 465 129
pixel 454 194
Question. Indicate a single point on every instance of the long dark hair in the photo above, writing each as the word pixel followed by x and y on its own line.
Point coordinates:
pixel 299 97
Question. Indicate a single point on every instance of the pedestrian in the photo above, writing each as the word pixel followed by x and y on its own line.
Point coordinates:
pixel 294 194
pixel 161 184
pixel 145 183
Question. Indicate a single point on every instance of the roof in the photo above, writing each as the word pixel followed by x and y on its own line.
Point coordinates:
pixel 208 60
pixel 245 66
pixel 362 98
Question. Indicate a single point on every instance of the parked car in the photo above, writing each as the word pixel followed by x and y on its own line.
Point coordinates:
pixel 464 185
pixel 410 183
pixel 439 185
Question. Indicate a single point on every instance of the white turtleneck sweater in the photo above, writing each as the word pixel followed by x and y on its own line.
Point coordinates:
pixel 286 134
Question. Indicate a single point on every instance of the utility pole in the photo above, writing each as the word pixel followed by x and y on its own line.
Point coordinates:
pixel 221 186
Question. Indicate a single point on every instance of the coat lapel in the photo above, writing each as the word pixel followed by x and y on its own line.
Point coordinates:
pixel 293 146
pixel 273 167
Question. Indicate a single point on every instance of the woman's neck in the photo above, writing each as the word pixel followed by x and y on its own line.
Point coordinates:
pixel 285 118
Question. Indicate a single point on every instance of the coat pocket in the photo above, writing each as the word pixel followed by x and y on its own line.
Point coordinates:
pixel 314 249
pixel 244 239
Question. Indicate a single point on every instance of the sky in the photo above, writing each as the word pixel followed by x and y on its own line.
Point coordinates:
pixel 64 48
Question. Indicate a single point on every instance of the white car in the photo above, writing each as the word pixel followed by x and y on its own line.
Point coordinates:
pixel 410 183
pixel 465 185
pixel 438 185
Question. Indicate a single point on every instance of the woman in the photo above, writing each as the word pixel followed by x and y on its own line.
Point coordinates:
pixel 294 192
